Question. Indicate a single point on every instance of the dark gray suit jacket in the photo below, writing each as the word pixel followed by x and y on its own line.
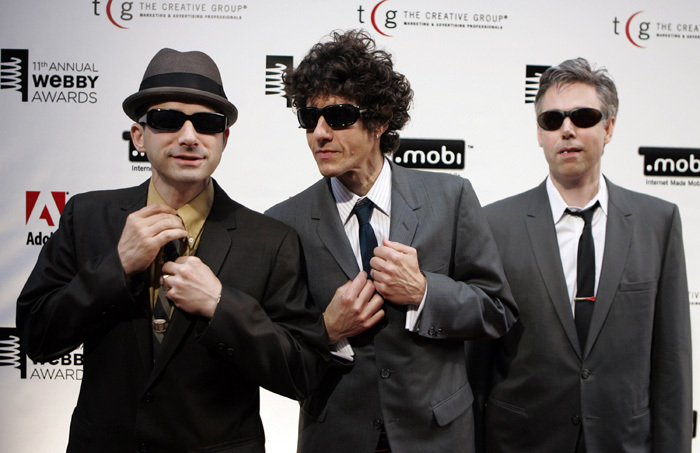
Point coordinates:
pixel 414 384
pixel 630 388
pixel 201 394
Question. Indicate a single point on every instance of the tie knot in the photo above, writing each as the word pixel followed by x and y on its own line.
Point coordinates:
pixel 171 250
pixel 363 210
pixel 585 214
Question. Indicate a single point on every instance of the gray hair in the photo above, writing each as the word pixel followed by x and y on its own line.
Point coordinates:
pixel 579 71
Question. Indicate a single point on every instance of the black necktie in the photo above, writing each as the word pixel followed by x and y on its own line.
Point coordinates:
pixel 163 306
pixel 368 241
pixel 585 274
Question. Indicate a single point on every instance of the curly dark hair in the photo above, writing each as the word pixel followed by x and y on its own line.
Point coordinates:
pixel 351 67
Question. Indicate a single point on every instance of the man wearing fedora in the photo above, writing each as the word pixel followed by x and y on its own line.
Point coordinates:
pixel 184 300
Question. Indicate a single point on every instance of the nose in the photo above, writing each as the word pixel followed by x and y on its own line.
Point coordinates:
pixel 568 130
pixel 188 135
pixel 322 131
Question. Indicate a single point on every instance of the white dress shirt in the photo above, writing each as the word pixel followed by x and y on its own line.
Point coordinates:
pixel 569 229
pixel 380 195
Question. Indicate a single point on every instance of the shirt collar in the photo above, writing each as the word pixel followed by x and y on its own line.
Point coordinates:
pixel 379 194
pixel 194 213
pixel 559 206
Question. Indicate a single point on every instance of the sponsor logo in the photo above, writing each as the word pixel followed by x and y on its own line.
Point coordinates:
pixel 639 29
pixel 387 19
pixel 671 161
pixel 274 68
pixel 43 209
pixel 11 352
pixel 122 14
pixel 532 81
pixel 68 367
pixel 13 71
pixel 67 82
pixel 430 153
pixel 671 166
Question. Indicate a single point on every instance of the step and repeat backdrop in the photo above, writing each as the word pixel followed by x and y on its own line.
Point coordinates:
pixel 474 66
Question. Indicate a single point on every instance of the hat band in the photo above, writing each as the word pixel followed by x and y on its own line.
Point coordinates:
pixel 183 80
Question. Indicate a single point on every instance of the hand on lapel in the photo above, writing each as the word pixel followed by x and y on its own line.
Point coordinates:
pixel 192 286
pixel 396 273
pixel 355 307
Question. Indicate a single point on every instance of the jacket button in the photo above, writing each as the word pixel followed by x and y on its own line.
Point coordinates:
pixel 148 397
pixel 431 332
pixel 220 346
pixel 585 374
pixel 144 448
pixel 385 373
pixel 230 351
pixel 576 420
pixel 377 424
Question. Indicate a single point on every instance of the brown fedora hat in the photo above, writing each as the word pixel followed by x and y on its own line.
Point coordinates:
pixel 190 77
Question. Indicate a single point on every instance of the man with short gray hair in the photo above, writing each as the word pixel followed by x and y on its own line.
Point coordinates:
pixel 600 358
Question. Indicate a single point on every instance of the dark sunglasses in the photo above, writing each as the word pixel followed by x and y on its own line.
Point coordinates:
pixel 551 120
pixel 336 115
pixel 172 120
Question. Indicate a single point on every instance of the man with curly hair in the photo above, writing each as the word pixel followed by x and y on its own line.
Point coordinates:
pixel 401 262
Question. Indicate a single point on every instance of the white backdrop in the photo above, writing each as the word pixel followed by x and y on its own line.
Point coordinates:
pixel 67 66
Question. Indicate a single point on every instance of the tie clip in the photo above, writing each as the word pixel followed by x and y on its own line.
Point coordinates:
pixel 160 325
pixel 592 299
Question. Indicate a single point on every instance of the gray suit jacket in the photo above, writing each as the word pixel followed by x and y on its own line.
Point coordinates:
pixel 413 384
pixel 630 388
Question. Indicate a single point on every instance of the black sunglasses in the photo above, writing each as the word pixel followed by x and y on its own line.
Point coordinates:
pixel 551 120
pixel 336 115
pixel 173 120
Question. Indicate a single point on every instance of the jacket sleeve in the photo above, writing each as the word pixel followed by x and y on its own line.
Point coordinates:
pixel 473 301
pixel 671 371
pixel 67 299
pixel 279 341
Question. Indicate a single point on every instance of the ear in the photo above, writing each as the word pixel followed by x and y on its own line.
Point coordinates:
pixel 137 134
pixel 225 138
pixel 539 135
pixel 609 130
pixel 381 129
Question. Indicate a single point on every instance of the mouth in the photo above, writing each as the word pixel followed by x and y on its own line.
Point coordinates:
pixel 566 151
pixel 324 153
pixel 187 159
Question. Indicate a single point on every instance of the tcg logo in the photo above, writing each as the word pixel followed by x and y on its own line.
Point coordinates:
pixel 123 12
pixel 389 18
pixel 635 30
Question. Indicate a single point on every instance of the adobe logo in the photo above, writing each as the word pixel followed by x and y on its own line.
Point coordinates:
pixel 40 206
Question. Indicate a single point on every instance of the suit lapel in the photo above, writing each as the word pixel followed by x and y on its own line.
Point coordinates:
pixel 618 240
pixel 404 206
pixel 324 214
pixel 214 246
pixel 543 238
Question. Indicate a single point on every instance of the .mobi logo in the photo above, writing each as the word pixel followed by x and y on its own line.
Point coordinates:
pixel 433 153
pixel 671 161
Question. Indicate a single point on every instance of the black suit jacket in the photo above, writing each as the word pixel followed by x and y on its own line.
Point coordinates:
pixel 630 388
pixel 412 383
pixel 202 393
